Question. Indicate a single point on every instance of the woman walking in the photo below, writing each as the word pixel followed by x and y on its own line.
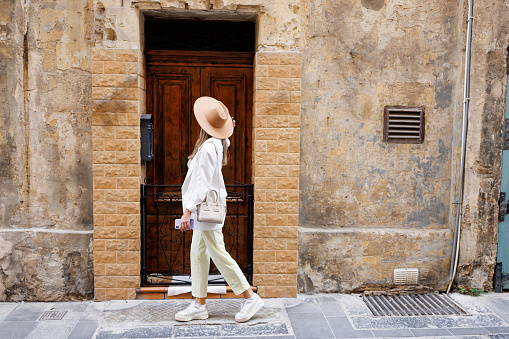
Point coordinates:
pixel 203 176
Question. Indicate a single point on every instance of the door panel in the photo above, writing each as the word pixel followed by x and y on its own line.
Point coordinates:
pixel 170 94
pixel 232 87
pixel 171 90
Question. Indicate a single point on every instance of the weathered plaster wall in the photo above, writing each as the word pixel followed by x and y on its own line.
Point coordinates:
pixel 483 164
pixel 359 57
pixel 278 21
pixel 356 259
pixel 46 181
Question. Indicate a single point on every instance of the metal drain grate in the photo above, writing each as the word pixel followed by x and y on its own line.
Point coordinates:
pixel 53 315
pixel 412 305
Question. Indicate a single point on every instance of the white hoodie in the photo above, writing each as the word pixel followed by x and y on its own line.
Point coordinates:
pixel 203 176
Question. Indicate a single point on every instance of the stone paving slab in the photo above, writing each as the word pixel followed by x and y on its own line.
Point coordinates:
pixel 305 305
pixel 51 330
pixel 430 332
pixel 72 306
pixel 306 317
pixel 16 329
pixel 310 325
pixel 84 330
pixel 138 332
pixel 93 312
pixel 392 333
pixel 498 303
pixel 468 331
pixel 342 328
pixel 497 330
pixel 28 311
pixel 6 309
pixel 330 306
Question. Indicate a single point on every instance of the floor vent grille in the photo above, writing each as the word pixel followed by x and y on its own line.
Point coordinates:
pixel 412 305
pixel 52 315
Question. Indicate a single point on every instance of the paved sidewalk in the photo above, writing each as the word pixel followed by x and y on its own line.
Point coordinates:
pixel 318 316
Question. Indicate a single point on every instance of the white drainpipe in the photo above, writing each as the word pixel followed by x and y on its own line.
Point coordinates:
pixel 466 101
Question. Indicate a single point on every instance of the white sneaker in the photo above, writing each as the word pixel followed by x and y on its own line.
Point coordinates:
pixel 193 311
pixel 249 308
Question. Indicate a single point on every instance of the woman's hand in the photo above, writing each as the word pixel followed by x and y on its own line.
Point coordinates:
pixel 185 221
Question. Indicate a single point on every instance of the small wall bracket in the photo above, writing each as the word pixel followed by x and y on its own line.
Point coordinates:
pixel 500 278
pixel 502 206
pixel 506 135
pixel 147 137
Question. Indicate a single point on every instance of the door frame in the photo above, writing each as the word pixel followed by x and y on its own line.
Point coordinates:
pixel 199 58
pixel 166 58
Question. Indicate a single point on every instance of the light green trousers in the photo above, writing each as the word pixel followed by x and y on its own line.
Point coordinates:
pixel 210 244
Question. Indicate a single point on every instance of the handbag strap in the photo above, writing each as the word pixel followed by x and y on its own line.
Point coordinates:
pixel 218 169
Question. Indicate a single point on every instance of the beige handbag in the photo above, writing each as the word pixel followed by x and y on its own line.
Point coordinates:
pixel 211 210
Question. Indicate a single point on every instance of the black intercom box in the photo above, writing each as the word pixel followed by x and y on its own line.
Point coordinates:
pixel 147 137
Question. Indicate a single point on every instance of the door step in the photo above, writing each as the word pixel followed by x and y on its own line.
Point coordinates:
pixel 161 292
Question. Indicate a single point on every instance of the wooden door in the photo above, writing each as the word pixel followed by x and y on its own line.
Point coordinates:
pixel 174 81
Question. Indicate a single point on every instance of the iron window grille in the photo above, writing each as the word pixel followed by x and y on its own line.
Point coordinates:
pixel 403 125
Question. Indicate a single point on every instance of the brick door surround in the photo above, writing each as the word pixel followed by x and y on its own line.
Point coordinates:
pixel 276 172
pixel 118 99
pixel 118 93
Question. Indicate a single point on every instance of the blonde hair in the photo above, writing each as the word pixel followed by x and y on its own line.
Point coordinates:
pixel 202 138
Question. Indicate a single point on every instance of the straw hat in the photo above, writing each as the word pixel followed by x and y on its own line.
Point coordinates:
pixel 213 117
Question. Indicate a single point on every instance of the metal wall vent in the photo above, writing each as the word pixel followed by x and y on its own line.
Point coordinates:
pixel 53 315
pixel 403 125
pixel 406 276
pixel 412 305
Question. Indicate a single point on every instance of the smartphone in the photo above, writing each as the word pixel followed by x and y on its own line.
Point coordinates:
pixel 177 223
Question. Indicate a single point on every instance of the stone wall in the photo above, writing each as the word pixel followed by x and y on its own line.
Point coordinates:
pixel 478 248
pixel 46 144
pixel 380 206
